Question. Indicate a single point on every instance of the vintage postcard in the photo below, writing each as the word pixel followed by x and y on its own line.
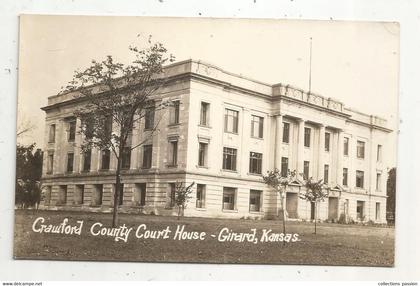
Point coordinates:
pixel 206 140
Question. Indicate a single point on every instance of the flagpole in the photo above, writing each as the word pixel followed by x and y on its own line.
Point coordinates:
pixel 310 63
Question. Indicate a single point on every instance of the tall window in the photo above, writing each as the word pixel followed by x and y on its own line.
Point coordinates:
pixel 257 126
pixel 200 196
pixel 360 210
pixel 105 158
pixel 307 137
pixel 121 195
pixel 231 120
pixel 140 194
pixel 326 173
pixel 360 149
pixel 97 195
pixel 174 153
pixel 378 182
pixel 62 195
pixel 345 176
pixel 255 162
pixel 378 211
pixel 79 194
pixel 86 160
pixel 306 169
pixel 51 134
pixel 255 200
pixel 126 158
pixel 71 130
pixel 202 154
pixel 174 112
pixel 147 156
pixel 171 196
pixel 359 179
pixel 70 161
pixel 284 166
pixel 229 198
pixel 327 141
pixel 379 153
pixel 346 146
pixel 286 132
pixel 229 159
pixel 204 114
pixel 149 118
pixel 50 162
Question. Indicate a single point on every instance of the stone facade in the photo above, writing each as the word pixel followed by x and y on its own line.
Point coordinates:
pixel 215 140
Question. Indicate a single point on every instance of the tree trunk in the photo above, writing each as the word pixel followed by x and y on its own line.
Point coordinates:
pixel 315 205
pixel 284 215
pixel 179 211
pixel 117 190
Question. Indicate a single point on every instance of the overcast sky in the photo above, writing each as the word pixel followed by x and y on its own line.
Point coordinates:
pixel 354 62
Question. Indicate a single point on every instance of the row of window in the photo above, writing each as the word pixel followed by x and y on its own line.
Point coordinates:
pixel 228 198
pixel 360 147
pixel 359 174
pixel 96 195
pixel 149 115
pixel 229 154
pixel 229 162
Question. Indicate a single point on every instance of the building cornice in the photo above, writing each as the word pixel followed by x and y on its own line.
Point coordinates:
pixel 279 92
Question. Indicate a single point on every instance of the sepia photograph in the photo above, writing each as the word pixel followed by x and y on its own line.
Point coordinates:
pixel 206 140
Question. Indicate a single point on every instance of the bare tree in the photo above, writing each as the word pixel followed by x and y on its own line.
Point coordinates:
pixel 114 97
pixel 24 126
pixel 316 191
pixel 280 184
pixel 182 196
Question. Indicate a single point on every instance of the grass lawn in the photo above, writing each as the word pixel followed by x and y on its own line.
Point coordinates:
pixel 333 244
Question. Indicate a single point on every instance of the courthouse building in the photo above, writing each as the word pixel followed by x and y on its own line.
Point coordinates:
pixel 223 132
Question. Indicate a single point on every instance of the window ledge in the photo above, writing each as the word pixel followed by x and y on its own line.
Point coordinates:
pixel 256 212
pixel 258 138
pixel 202 167
pixel 229 211
pixel 232 133
pixel 172 166
pixel 174 124
pixel 204 126
pixel 201 209
pixel 254 174
pixel 230 171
